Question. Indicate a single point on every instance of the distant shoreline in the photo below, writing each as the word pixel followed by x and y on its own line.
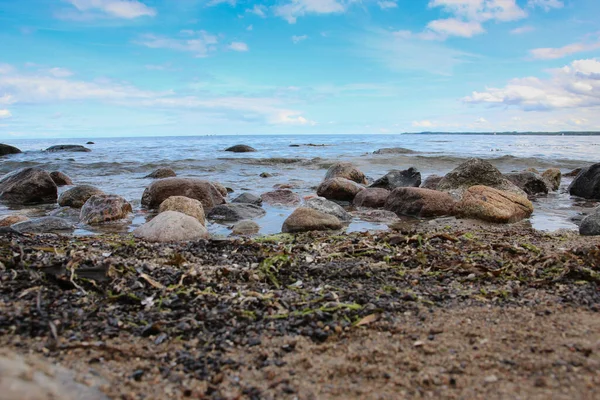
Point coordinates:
pixel 575 133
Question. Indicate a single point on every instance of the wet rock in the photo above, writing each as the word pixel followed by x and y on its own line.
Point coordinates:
pixel 377 216
pixel 266 175
pixel 68 147
pixel 396 178
pixel 171 226
pixel 184 205
pixel 222 189
pixel 246 228
pixel 198 189
pixel 339 189
pixel 240 148
pixel 534 170
pixel 68 213
pixel 161 173
pixel 90 143
pixel 476 172
pixel 9 220
pixel 282 197
pixel 77 196
pixel 590 225
pixel 60 179
pixel 28 186
pixel 329 207
pixel 553 177
pixel 574 173
pixel 371 198
pixel 102 208
pixel 586 184
pixel 235 212
pixel 248 198
pixel 493 205
pixel 431 182
pixel 43 225
pixel 530 182
pixel 346 171
pixel 419 202
pixel 305 219
pixel 33 378
pixel 394 150
pixel 6 149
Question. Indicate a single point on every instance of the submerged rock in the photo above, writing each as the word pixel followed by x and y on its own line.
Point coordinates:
pixel 394 150
pixel 235 212
pixel 102 208
pixel 241 148
pixel 265 175
pixel 339 189
pixel 9 220
pixel 43 225
pixel 329 207
pixel 60 179
pixel 28 186
pixel 432 182
pixel 419 202
pixel 590 225
pixel 161 173
pixel 90 143
pixel 282 197
pixel 198 189
pixel 246 228
pixel 530 182
pixel 371 198
pixel 346 171
pixel 68 213
pixel 553 176
pixel 493 205
pixel 305 219
pixel 248 198
pixel 587 183
pixel 68 147
pixel 396 178
pixel 574 173
pixel 77 196
pixel 184 205
pixel 171 226
pixel 6 149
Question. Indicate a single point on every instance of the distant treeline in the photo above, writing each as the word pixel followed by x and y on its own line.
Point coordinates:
pixel 565 133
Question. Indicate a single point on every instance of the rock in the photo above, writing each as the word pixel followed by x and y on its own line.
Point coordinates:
pixel 553 177
pixel 493 205
pixel 396 178
pixel 530 182
pixel 371 198
pixel 77 196
pixel 534 170
pixel 222 189
pixel 6 149
pixel 419 202
pixel 265 175
pixel 184 205
pixel 67 213
pixel 43 225
pixel 394 150
pixel 198 189
pixel 33 378
pixel 347 171
pixel 574 173
pixel 171 226
pixel 586 184
pixel 9 220
pixel 329 207
pixel 377 216
pixel 90 143
pixel 235 212
pixel 68 147
pixel 241 148
pixel 246 228
pixel 431 182
pixel 282 197
pixel 590 225
pixel 161 173
pixel 28 186
pixel 248 198
pixel 60 179
pixel 305 219
pixel 476 172
pixel 102 208
pixel 339 189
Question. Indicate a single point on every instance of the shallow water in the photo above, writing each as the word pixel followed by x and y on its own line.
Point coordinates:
pixel 118 165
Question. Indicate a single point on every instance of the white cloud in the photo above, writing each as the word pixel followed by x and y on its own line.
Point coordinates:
pixel 423 124
pixel 199 43
pixel 550 53
pixel 522 29
pixel 547 5
pixel 5 114
pixel 298 8
pixel 5 68
pixel 238 46
pixel 455 27
pixel 259 10
pixel 127 9
pixel 217 2
pixel 60 72
pixel 386 4
pixel 298 39
pixel 250 28
pixel 482 10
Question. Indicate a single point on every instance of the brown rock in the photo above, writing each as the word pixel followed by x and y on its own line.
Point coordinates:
pixel 493 205
pixel 419 202
pixel 60 179
pixel 162 173
pixel 198 189
pixel 246 228
pixel 431 182
pixel 102 208
pixel 553 176
pixel 171 226
pixel 347 171
pixel 222 189
pixel 284 197
pixel 77 196
pixel 9 220
pixel 307 219
pixel 184 205
pixel 574 173
pixel 28 186
pixel 371 198
pixel 339 189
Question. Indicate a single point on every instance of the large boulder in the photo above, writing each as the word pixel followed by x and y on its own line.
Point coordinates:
pixel 184 205
pixel 339 189
pixel 241 148
pixel 530 182
pixel 587 183
pixel 553 177
pixel 590 225
pixel 235 212
pixel 9 220
pixel 476 172
pixel 68 147
pixel 248 198
pixel 371 198
pixel 431 182
pixel 329 207
pixel 44 225
pixel 281 197
pixel 246 228
pixel 419 202
pixel 493 205
pixel 28 186
pixel 396 178
pixel 161 173
pixel 6 149
pixel 171 226
pixel 102 208
pixel 347 171
pixel 77 196
pixel 60 179
pixel 198 189
pixel 306 219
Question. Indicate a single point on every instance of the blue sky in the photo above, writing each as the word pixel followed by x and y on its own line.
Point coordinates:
pixel 92 68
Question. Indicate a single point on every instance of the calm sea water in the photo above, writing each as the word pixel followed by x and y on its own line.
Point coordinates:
pixel 118 165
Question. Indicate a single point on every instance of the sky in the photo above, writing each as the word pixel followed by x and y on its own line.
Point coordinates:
pixel 114 68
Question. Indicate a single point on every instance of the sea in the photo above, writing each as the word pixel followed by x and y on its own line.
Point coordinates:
pixel 119 165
